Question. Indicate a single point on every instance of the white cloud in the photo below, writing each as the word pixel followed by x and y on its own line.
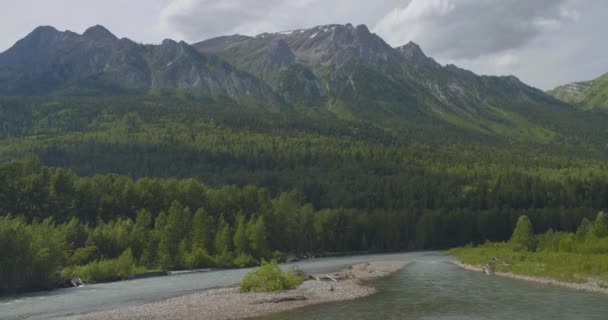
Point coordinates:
pixel 194 20
pixel 457 29
pixel 543 42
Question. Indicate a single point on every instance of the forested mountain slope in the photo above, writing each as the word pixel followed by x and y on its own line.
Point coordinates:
pixel 356 75
pixel 587 94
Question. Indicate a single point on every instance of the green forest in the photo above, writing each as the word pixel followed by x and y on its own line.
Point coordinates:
pixel 107 187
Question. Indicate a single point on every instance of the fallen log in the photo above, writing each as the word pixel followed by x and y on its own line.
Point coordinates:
pixel 330 277
pixel 281 299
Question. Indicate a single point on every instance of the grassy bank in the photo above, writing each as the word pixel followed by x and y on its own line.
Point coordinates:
pixel 577 257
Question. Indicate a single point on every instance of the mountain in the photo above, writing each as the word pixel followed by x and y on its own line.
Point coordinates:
pixel 356 75
pixel 586 94
pixel 341 71
pixel 48 61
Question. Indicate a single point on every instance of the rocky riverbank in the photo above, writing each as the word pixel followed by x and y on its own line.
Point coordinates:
pixel 228 303
pixel 589 286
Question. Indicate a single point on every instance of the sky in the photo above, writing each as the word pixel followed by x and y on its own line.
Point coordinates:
pixel 544 43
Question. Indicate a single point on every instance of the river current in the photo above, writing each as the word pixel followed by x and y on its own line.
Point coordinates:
pixel 429 288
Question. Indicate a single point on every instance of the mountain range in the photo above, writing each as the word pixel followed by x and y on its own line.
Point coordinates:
pixel 48 61
pixel 341 70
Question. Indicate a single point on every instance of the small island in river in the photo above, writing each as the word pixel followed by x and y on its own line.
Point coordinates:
pixel 229 303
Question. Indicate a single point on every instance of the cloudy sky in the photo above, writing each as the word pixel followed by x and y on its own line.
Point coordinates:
pixel 543 42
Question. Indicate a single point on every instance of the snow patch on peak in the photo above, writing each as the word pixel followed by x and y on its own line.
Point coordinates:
pixel 314 35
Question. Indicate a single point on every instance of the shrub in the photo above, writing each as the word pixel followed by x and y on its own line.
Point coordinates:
pixel 198 258
pixel 269 278
pixel 30 255
pixel 523 235
pixel 83 255
pixel 245 260
pixel 224 260
pixel 105 270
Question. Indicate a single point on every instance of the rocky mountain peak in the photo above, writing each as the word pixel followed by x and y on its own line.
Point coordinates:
pixel 42 36
pixel 362 29
pixel 99 33
pixel 43 31
pixel 169 43
pixel 35 46
pixel 414 55
pixel 411 50
pixel 339 44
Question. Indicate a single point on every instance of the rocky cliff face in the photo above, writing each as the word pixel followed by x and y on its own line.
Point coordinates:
pixel 50 61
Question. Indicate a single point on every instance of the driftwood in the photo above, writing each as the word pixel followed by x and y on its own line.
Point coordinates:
pixel 321 277
pixel 350 275
pixel 336 277
pixel 76 282
pixel 280 299
pixel 489 267
pixel 330 277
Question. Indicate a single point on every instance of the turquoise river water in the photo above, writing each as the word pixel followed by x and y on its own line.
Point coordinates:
pixel 429 288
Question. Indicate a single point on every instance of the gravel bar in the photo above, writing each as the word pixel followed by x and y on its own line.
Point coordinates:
pixel 228 303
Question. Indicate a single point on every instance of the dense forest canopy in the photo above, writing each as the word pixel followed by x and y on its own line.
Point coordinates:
pixel 127 184
pixel 106 227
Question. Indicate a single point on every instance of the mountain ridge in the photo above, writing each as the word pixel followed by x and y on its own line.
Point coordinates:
pixel 344 70
pixel 341 60
pixel 48 61
pixel 592 94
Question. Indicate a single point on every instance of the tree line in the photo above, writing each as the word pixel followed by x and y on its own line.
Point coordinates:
pixel 57 225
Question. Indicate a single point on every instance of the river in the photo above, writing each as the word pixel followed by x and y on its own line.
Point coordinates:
pixel 429 288
pixel 435 289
